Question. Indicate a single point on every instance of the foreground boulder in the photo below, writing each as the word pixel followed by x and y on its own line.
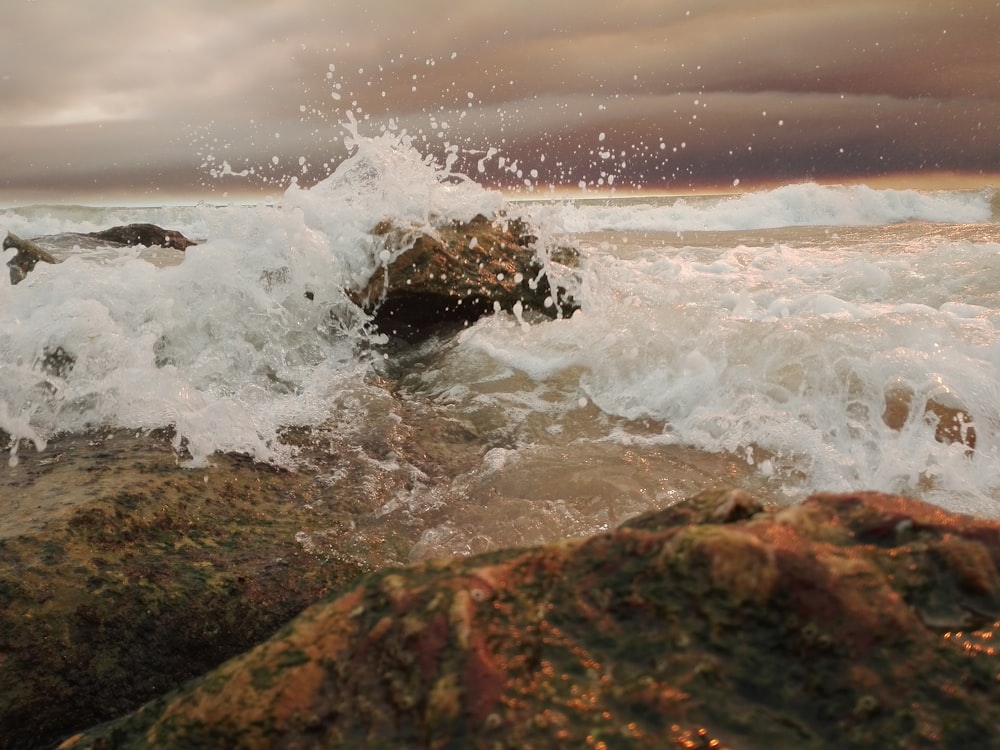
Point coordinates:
pixel 463 271
pixel 30 252
pixel 860 620
pixel 123 575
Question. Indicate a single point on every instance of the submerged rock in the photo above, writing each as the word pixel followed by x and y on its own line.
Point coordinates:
pixel 30 252
pixel 28 255
pixel 458 274
pixel 860 620
pixel 950 418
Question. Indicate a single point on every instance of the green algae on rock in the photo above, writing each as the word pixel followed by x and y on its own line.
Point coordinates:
pixel 859 620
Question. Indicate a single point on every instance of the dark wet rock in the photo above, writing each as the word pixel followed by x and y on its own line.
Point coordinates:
pixel 30 252
pixel 28 255
pixel 859 620
pixel 147 235
pixel 151 576
pixel 457 274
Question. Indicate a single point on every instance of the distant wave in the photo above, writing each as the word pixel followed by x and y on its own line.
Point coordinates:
pixel 806 204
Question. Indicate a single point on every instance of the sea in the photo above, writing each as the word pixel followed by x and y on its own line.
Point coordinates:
pixel 789 340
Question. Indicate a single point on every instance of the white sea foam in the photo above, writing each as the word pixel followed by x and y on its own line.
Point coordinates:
pixel 781 354
pixel 250 332
pixel 788 354
pixel 805 204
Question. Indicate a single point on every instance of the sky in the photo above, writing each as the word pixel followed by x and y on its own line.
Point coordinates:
pixel 113 100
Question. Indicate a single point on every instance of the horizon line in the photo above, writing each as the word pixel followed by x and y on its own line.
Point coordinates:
pixel 923 181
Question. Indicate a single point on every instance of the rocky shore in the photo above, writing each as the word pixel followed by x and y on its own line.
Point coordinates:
pixel 859 620
pixel 122 575
pixel 244 606
pixel 31 252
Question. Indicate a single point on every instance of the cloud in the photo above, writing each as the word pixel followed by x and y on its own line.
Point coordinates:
pixel 104 93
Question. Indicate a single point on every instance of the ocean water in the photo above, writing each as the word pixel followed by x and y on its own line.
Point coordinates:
pixel 799 339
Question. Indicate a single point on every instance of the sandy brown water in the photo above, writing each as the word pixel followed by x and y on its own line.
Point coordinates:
pixel 416 481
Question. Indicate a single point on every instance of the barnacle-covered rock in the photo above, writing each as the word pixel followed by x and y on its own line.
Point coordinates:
pixel 123 575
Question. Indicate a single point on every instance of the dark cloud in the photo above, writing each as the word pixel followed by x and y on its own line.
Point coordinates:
pixel 110 97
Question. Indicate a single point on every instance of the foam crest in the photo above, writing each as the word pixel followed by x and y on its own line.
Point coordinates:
pixel 806 204
pixel 249 332
pixel 386 177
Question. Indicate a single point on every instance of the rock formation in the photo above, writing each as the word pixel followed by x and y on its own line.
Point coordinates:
pixel 456 275
pixel 951 419
pixel 453 275
pixel 859 620
pixel 157 575
pixel 28 255
pixel 147 235
pixel 30 252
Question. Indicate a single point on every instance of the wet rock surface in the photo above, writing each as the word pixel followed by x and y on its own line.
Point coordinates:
pixel 949 416
pixel 463 271
pixel 28 255
pixel 150 575
pixel 859 620
pixel 32 252
pixel 147 235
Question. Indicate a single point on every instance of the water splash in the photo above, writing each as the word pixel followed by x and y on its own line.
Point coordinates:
pixel 251 331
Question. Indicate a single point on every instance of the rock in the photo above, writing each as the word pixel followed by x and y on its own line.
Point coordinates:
pixel 860 620
pixel 28 255
pixel 152 575
pixel 456 275
pixel 950 418
pixel 147 235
